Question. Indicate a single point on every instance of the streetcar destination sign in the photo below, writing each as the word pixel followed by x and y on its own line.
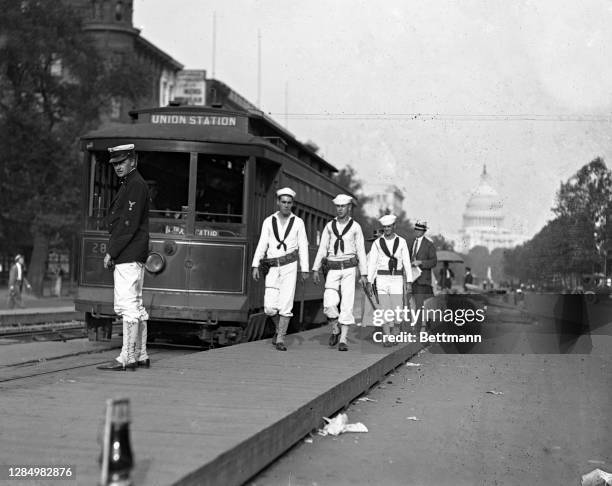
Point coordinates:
pixel 197 119
pixel 210 120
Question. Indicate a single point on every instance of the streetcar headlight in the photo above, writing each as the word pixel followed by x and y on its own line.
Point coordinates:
pixel 155 263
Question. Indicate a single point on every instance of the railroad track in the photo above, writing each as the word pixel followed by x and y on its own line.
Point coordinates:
pixel 45 332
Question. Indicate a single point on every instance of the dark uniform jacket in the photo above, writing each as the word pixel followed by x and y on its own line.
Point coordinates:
pixel 429 259
pixel 128 221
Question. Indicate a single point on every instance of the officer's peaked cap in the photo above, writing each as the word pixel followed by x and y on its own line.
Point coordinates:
pixel 120 153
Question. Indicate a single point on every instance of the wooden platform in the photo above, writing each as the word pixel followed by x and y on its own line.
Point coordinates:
pixel 215 417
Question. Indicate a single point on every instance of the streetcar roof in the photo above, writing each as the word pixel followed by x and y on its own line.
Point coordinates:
pixel 145 126
pixel 165 132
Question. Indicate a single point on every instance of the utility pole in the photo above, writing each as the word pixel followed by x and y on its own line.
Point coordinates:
pixel 258 69
pixel 214 43
pixel 287 105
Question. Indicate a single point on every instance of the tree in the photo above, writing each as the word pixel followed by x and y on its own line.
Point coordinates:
pixel 442 243
pixel 585 200
pixel 54 85
pixel 574 242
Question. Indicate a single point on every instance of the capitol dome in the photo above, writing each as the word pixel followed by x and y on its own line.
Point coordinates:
pixel 485 208
pixel 483 220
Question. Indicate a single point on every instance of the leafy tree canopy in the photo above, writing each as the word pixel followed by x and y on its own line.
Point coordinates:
pixel 54 85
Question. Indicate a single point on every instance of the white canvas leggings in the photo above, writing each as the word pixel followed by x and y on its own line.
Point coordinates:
pixel 129 278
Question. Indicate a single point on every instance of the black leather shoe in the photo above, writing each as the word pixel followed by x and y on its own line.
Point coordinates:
pixel 145 363
pixel 342 347
pixel 333 339
pixel 281 347
pixel 113 366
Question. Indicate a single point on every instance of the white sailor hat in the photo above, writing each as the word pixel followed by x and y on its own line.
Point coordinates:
pixel 342 199
pixel 285 191
pixel 388 219
pixel 120 153
pixel 420 225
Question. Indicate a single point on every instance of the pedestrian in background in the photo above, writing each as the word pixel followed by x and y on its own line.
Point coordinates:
pixel 468 278
pixel 128 248
pixel 424 258
pixel 446 277
pixel 16 282
pixel 59 275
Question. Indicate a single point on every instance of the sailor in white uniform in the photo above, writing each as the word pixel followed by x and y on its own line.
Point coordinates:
pixel 281 244
pixel 341 251
pixel 389 264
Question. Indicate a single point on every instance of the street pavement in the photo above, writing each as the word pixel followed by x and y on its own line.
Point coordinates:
pixel 470 419
pixel 32 302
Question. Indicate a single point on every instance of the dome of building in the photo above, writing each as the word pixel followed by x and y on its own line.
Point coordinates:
pixel 485 207
pixel 483 220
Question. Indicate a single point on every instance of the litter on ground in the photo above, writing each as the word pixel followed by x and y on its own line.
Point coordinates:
pixel 339 424
pixel 597 477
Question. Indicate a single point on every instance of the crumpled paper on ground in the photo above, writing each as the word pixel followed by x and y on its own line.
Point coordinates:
pixel 339 424
pixel 597 477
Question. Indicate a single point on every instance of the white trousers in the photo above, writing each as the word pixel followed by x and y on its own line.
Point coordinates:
pixel 129 278
pixel 340 282
pixel 390 290
pixel 280 290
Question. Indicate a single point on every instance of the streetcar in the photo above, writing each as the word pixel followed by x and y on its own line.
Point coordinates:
pixel 213 172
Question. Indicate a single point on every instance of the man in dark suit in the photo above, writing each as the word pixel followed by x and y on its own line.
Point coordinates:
pixel 423 258
pixel 468 278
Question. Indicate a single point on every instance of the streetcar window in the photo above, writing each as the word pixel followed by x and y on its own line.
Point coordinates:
pixel 166 173
pixel 219 195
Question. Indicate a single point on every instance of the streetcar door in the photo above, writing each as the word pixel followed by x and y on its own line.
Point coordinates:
pixel 264 196
pixel 263 204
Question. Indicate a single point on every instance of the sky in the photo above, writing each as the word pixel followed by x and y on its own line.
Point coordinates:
pixel 420 94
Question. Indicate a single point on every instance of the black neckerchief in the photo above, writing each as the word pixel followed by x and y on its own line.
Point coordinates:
pixel 339 241
pixel 391 256
pixel 287 230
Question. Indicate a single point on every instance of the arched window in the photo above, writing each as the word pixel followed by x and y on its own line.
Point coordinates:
pixel 119 11
pixel 96 9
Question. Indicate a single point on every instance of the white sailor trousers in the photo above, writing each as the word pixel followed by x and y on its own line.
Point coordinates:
pixel 390 289
pixel 340 282
pixel 129 278
pixel 280 290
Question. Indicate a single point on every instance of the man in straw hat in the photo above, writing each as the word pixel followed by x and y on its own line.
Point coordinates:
pixel 342 249
pixel 16 282
pixel 128 248
pixel 389 264
pixel 424 258
pixel 281 244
